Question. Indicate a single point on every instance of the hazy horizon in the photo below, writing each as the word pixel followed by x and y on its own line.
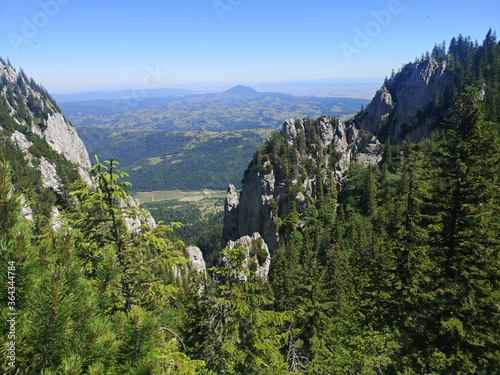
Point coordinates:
pixel 69 45
pixel 319 88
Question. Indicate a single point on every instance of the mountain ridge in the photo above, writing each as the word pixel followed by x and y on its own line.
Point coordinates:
pixel 410 105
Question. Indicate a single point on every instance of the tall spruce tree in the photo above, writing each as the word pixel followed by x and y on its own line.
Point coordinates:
pixel 470 239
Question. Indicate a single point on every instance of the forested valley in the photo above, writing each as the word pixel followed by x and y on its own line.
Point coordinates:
pixel 392 269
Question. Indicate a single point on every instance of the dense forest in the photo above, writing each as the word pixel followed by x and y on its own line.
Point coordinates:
pixel 393 270
pixel 399 271
pixel 168 160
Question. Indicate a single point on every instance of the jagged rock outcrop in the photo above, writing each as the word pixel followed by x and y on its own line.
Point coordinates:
pixel 34 125
pixel 196 261
pixel 377 112
pixel 262 199
pixel 48 173
pixel 258 258
pixel 405 106
pixel 395 111
pixel 133 223
pixel 253 216
pixel 231 205
pixel 33 110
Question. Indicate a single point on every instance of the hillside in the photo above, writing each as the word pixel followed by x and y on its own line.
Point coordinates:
pixel 167 160
pixel 241 91
pixel 235 109
pixel 78 254
pixel 192 156
pixel 45 152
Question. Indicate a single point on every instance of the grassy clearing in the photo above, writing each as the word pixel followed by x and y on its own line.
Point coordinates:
pixel 180 195
pixel 206 201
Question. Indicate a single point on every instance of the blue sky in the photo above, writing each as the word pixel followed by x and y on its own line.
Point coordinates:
pixel 78 45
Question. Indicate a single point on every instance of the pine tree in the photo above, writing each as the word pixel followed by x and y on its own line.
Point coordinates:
pixel 129 268
pixel 470 234
pixel 230 324
pixel 457 231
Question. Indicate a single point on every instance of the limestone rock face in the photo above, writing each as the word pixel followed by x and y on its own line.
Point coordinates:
pixel 49 175
pixel 377 111
pixel 396 106
pixel 351 143
pixel 258 258
pixel 253 211
pixel 250 213
pixel 134 223
pixel 63 138
pixel 231 204
pixel 43 119
pixel 20 140
pixel 196 261
pixel 37 117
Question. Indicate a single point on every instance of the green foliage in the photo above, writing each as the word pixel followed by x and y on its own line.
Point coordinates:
pixel 198 227
pixel 94 299
pixel 230 325
pixel 394 271
pixel 143 258
pixel 168 160
pixel 9 204
pixel 401 277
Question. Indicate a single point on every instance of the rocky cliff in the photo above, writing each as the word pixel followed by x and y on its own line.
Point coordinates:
pixel 34 113
pixel 44 149
pixel 196 263
pixel 305 159
pixel 308 157
pixel 258 258
pixel 405 106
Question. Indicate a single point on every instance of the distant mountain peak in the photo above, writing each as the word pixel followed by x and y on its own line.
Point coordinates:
pixel 241 90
